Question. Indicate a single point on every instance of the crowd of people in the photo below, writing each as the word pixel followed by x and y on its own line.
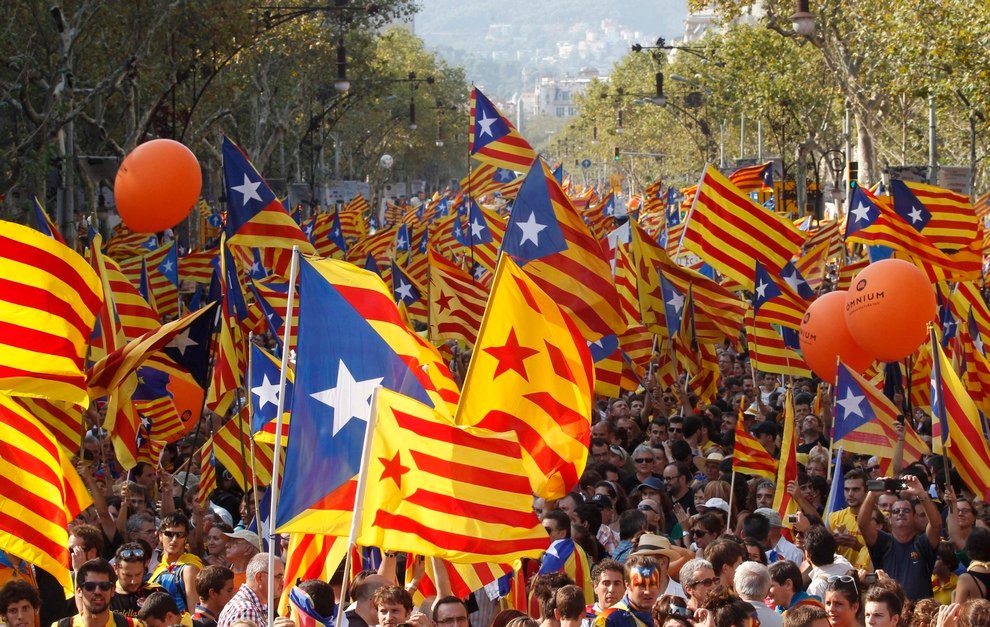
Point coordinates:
pixel 670 537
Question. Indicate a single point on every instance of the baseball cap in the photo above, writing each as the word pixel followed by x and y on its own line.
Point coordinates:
pixel 653 483
pixel 601 501
pixel 717 503
pixel 244 534
pixel 770 514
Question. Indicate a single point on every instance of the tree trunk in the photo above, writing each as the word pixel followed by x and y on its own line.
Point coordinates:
pixel 866 152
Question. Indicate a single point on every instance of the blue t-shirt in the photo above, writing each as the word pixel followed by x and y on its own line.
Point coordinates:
pixel 908 563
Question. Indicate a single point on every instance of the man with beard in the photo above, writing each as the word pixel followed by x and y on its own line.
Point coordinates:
pixel 94 589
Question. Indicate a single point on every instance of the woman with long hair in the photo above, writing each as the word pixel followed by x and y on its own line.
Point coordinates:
pixel 842 601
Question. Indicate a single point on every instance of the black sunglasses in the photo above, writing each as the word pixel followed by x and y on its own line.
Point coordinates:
pixel 93 586
pixel 132 554
pixel 173 534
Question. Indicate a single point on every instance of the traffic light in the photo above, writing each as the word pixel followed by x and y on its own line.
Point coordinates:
pixel 618 153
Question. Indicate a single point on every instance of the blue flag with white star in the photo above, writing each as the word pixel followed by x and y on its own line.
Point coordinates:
pixel 169 267
pixel 793 277
pixel 852 409
pixel 862 211
pixel 402 287
pixel 402 238
pixel 477 226
pixel 673 305
pixel 265 372
pixel 341 360
pixel 907 205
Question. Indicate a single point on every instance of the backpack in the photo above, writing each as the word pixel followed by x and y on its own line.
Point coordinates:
pixel 170 580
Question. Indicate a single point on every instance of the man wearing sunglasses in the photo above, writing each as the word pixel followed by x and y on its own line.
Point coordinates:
pixel 130 566
pixel 94 590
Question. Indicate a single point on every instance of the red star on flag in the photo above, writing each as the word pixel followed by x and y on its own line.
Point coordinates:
pixel 393 469
pixel 511 356
pixel 443 301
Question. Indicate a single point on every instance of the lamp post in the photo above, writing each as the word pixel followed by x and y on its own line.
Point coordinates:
pixel 803 20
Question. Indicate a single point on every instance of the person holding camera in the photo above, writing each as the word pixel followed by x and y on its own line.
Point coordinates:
pixel 906 556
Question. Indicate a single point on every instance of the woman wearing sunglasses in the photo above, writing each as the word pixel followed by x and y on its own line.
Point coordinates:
pixel 842 601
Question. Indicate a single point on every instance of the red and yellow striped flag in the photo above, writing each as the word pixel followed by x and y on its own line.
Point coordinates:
pixel 49 298
pixel 532 374
pixel 40 492
pixel 748 455
pixel 453 491
pixel 731 232
pixel 493 139
pixel 232 448
pixel 161 289
pixel 787 470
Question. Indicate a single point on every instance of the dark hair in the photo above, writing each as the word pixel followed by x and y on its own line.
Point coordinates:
pixel 91 536
pixel 17 590
pixel 680 451
pixel 158 605
pixel 396 595
pixel 174 519
pixel 726 608
pixel 975 612
pixel 630 522
pixel 561 520
pixel 212 578
pixel 786 570
pixel 804 615
pixel 321 594
pixel 853 474
pixel 569 602
pixel 820 545
pixel 447 600
pixel 589 479
pixel 502 618
pixel 544 588
pixel 947 553
pixel 96 565
pixel 747 542
pixel 604 566
pixel 889 593
pixel 849 589
pixel 757 526
pixel 724 552
pixel 978 544
pixel 692 425
pixel 711 521
pixel 590 515
pixel 664 610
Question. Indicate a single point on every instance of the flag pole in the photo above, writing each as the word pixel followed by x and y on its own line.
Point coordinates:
pixel 732 493
pixel 254 491
pixel 362 480
pixel 939 401
pixel 283 378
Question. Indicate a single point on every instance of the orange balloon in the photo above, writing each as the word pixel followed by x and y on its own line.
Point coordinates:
pixel 157 185
pixel 824 338
pixel 888 307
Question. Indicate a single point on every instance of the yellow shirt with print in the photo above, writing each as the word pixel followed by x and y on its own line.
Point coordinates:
pixel 844 521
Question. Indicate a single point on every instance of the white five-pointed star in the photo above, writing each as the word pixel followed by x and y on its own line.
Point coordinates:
pixel 485 124
pixel 248 190
pixel 597 343
pixel 267 392
pixel 794 281
pixel 404 290
pixel 851 404
pixel 531 230
pixel 401 244
pixel 182 341
pixel 349 398
pixel 168 266
pixel 862 212
pixel 477 228
pixel 255 268
pixel 677 302
pixel 915 214
pixel 978 341
pixel 761 290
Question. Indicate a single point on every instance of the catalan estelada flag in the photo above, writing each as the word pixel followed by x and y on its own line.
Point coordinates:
pixel 49 298
pixel 162 266
pixel 351 340
pixel 40 492
pixel 454 491
pixel 754 177
pixel 775 301
pixel 547 237
pixel 962 431
pixel 946 218
pixel 255 217
pixel 493 139
pixel 532 374
pixel 731 232
pixel 457 302
pixel 45 224
pixel 864 417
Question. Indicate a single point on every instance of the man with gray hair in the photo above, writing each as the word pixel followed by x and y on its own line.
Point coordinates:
pixel 249 602
pixel 752 583
pixel 697 578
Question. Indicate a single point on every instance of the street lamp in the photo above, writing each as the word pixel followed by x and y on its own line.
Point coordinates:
pixel 803 20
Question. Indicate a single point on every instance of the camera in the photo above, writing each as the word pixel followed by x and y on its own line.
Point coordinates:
pixel 886 485
pixel 792 519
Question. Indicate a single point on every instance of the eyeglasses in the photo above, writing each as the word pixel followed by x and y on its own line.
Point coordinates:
pixel 131 554
pixel 711 581
pixel 453 620
pixel 643 460
pixel 172 534
pixel 831 581
pixel 674 429
pixel 672 478
pixel 901 510
pixel 93 586
pixel 873 468
pixel 699 533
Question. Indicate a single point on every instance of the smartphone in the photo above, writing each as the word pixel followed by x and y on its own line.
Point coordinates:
pixel 869 579
pixel 886 485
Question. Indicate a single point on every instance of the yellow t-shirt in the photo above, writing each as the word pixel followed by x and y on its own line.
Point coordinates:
pixel 943 592
pixel 844 520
